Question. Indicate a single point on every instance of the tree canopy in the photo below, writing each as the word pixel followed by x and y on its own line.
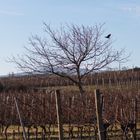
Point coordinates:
pixel 70 50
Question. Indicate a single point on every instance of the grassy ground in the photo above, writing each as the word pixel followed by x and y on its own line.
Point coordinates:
pixel 114 133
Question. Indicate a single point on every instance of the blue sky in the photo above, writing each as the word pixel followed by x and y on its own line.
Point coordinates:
pixel 19 19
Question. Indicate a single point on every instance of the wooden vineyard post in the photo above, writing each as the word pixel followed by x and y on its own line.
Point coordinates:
pixel 24 133
pixel 98 105
pixel 135 118
pixel 59 113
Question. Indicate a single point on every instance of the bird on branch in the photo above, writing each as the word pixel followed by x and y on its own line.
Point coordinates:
pixel 108 36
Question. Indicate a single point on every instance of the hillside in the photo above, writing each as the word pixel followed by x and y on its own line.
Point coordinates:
pixel 26 82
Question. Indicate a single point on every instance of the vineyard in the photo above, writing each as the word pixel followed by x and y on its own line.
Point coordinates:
pixel 35 97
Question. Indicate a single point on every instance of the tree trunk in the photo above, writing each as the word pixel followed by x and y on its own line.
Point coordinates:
pixel 82 92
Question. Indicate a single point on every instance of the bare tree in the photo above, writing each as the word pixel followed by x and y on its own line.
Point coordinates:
pixel 71 52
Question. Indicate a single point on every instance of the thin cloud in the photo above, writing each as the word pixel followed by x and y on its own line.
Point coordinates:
pixel 10 13
pixel 134 9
